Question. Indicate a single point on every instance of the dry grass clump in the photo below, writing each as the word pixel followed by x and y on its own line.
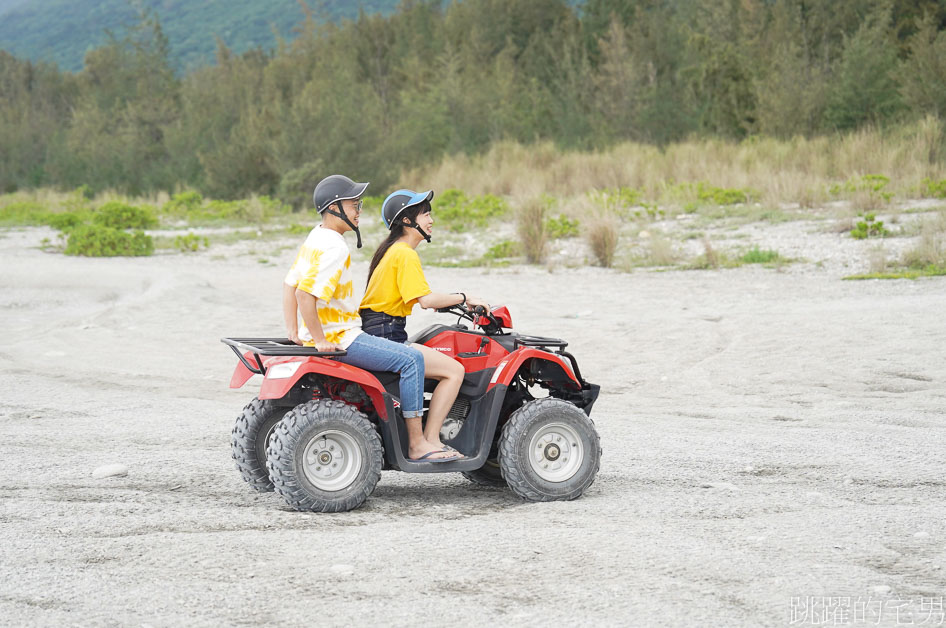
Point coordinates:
pixel 660 251
pixel 601 232
pixel 532 230
pixel 931 249
pixel 878 259
pixel 799 170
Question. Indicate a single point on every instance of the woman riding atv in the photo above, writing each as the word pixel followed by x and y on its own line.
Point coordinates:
pixel 396 282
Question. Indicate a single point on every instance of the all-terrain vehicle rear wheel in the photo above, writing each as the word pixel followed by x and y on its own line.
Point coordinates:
pixel 549 450
pixel 249 439
pixel 324 456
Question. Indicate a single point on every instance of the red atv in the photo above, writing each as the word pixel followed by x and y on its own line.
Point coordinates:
pixel 321 431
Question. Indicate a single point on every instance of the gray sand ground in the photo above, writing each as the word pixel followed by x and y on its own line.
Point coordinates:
pixel 770 438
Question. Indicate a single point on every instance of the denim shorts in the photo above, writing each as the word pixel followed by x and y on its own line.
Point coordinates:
pixel 383 325
pixel 377 354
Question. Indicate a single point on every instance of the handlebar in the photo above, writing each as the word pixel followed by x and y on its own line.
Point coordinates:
pixel 491 326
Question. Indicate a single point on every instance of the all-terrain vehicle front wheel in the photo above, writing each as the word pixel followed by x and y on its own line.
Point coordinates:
pixel 324 456
pixel 249 439
pixel 549 450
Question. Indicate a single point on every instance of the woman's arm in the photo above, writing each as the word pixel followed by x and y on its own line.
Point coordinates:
pixel 289 311
pixel 441 299
pixel 310 316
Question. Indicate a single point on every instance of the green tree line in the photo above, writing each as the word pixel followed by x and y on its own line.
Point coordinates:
pixel 373 96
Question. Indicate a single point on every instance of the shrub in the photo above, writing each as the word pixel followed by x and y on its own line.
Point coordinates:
pixel 190 242
pixel 870 227
pixel 459 212
pixel 502 250
pixel 561 227
pixel 183 203
pixel 23 213
pixel 101 241
pixel 758 256
pixel 66 221
pixel 602 235
pixel 931 248
pixel 724 196
pixel 867 191
pixel 935 189
pixel 530 223
pixel 615 200
pixel 118 215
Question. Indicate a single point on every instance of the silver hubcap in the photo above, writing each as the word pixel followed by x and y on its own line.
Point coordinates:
pixel 331 460
pixel 555 452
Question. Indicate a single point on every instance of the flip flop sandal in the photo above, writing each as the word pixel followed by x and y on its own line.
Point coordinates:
pixel 427 457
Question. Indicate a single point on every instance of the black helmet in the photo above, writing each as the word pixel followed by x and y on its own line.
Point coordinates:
pixel 334 189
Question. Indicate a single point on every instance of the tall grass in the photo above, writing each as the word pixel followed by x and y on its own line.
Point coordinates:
pixel 532 229
pixel 799 170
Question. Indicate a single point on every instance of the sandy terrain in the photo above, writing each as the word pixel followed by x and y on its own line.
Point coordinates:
pixel 770 438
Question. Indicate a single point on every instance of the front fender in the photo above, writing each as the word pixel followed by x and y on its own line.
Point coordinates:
pixel 506 370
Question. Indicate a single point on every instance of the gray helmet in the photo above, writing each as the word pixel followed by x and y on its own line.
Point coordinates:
pixel 336 188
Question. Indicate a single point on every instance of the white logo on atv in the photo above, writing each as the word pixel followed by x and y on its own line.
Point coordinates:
pixel 444 349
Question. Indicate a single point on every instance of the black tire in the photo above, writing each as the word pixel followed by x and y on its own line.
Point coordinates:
pixel 488 475
pixel 324 456
pixel 549 450
pixel 249 440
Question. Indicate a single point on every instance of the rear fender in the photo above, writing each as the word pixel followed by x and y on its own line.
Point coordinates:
pixel 276 386
pixel 241 374
pixel 507 369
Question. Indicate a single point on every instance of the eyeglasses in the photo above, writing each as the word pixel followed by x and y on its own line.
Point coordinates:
pixel 358 205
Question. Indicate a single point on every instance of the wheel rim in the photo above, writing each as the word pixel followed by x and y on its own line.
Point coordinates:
pixel 331 460
pixel 555 452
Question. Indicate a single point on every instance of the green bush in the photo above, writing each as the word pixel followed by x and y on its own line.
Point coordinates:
pixel 118 215
pixel 183 203
pixel 758 256
pixel 459 212
pixel 502 250
pixel 561 227
pixel 724 196
pixel 101 241
pixel 872 184
pixel 190 242
pixel 870 227
pixel 23 213
pixel 935 189
pixel 616 200
pixel 66 221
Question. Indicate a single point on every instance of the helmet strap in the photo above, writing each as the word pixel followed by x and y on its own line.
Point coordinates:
pixel 340 212
pixel 423 233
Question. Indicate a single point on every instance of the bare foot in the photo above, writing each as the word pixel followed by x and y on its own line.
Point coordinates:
pixel 422 449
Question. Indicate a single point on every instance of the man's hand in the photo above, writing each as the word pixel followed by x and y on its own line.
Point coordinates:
pixel 325 345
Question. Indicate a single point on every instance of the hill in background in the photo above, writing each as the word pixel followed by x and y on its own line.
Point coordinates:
pixel 62 31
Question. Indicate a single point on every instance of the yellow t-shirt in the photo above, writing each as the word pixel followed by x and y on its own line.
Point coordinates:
pixel 396 283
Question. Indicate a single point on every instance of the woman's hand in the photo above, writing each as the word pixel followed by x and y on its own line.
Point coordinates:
pixel 293 335
pixel 472 302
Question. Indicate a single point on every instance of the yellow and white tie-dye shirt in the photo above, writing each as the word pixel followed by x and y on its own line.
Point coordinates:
pixel 323 269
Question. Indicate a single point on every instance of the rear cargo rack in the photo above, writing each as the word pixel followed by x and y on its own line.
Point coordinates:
pixel 540 341
pixel 271 347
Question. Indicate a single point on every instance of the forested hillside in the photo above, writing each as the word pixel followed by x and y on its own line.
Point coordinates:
pixel 62 31
pixel 374 96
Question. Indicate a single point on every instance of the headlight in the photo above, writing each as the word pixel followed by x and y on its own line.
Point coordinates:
pixel 282 371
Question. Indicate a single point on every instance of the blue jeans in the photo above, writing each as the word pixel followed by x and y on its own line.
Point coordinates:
pixel 378 354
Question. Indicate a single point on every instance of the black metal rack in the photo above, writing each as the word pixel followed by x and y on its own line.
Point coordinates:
pixel 271 347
